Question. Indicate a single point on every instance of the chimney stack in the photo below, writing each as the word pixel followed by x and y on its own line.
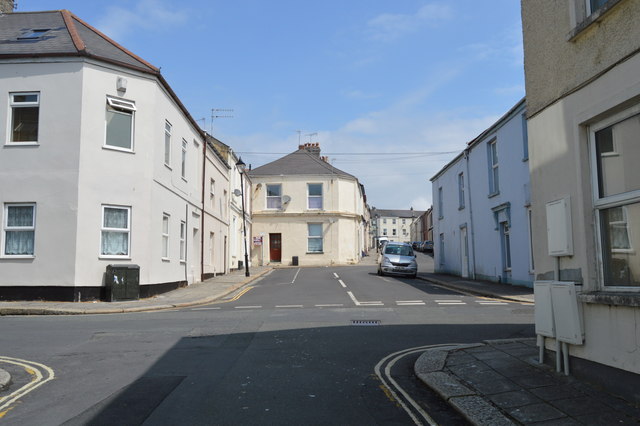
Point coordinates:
pixel 312 148
pixel 6 6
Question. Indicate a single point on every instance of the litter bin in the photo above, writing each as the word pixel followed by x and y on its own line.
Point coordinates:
pixel 294 260
pixel 122 282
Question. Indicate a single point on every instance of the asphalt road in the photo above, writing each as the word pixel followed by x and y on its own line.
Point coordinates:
pixel 299 346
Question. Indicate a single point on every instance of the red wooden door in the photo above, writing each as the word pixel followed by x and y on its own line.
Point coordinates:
pixel 275 247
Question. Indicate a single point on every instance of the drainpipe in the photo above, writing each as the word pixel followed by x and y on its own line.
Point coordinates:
pixel 204 164
pixel 473 239
pixel 186 233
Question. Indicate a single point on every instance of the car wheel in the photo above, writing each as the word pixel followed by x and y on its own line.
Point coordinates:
pixel 413 275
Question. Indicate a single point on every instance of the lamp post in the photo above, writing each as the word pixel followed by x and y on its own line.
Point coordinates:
pixel 241 168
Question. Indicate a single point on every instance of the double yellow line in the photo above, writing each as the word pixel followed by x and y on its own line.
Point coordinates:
pixel 237 296
pixel 40 374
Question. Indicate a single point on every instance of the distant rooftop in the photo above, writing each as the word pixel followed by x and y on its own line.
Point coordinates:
pixel 305 161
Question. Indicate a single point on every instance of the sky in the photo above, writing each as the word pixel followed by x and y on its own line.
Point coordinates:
pixel 391 90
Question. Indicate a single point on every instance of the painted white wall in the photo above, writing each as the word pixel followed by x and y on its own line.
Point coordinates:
pixel 139 179
pixel 216 216
pixel 478 214
pixel 47 173
pixel 72 174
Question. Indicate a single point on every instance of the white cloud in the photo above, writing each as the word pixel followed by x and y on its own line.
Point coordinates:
pixel 148 15
pixel 388 27
pixel 359 95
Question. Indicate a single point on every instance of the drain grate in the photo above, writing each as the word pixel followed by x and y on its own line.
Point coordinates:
pixel 365 322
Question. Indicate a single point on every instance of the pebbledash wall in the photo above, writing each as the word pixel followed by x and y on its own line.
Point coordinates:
pixel 70 176
pixel 582 77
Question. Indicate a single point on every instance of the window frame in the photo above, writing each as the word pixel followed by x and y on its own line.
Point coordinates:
pixel 13 105
pixel 440 203
pixel 183 160
pixel 183 241
pixel 605 202
pixel 525 137
pixel 589 7
pixel 126 230
pixel 309 196
pixel 124 107
pixel 505 237
pixel 461 203
pixel 315 237
pixel 273 197
pixel 6 228
pixel 168 130
pixel 166 218
pixel 494 167
pixel 212 193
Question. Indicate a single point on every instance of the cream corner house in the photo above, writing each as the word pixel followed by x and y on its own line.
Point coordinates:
pixel 100 163
pixel 307 211
pixel 582 68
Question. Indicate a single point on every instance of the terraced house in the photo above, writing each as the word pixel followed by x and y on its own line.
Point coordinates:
pixel 100 164
pixel 307 212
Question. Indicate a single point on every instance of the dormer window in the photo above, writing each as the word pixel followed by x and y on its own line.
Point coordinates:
pixel 34 34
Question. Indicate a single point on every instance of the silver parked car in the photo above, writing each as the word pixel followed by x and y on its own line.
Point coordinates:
pixel 397 259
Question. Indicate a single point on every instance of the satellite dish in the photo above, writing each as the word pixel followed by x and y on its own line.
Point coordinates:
pixel 237 192
pixel 286 199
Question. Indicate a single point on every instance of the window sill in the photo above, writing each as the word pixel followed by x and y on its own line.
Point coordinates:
pixel 460 208
pixel 184 179
pixel 591 19
pixel 17 256
pixel 493 194
pixel 114 257
pixel 114 148
pixel 16 144
pixel 622 298
pixel 315 252
pixel 168 166
pixel 166 259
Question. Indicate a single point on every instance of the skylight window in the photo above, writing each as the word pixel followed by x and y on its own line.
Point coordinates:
pixel 34 34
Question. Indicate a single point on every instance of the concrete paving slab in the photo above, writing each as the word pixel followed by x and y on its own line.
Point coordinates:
pixel 515 399
pixel 536 413
pixel 580 406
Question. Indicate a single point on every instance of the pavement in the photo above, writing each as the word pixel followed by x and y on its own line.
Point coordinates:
pixel 489 383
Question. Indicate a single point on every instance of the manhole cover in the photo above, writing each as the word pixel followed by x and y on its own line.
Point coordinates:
pixel 365 322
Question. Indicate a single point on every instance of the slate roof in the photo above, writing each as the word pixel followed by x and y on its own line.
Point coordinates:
pixel 68 35
pixel 397 213
pixel 300 162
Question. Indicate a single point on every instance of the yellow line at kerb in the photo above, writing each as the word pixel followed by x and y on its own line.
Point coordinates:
pixel 40 374
pixel 236 297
